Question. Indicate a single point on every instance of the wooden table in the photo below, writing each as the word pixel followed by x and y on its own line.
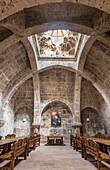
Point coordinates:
pixel 104 144
pixel 102 141
pixel 53 140
pixel 6 143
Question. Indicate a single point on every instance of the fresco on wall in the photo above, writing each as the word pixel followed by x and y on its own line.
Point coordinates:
pixel 58 43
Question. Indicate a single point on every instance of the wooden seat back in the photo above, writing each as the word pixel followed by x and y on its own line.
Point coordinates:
pixel 58 136
pixel 90 147
pixel 108 137
pixel 13 136
pixel 20 148
pixel 51 135
pixel 78 143
pixel 73 141
pixel 37 140
pixel 8 136
pixel 32 143
pixel 86 135
pixel 100 135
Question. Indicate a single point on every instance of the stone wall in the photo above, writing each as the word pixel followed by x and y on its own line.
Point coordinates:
pixel 24 108
pixel 92 121
pixel 66 120
pixel 23 122
pixel 18 109
pixel 98 63
pixel 13 60
pixel 8 117
pixel 57 84
pixel 93 107
pixel 24 96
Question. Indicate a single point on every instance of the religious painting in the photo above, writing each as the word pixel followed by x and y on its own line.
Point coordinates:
pixel 56 119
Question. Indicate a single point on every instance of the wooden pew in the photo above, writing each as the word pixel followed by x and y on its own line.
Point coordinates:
pixel 78 143
pixel 9 136
pixel 92 148
pixel 38 140
pixel 71 137
pixel 17 149
pixel 108 137
pixel 33 142
pixel 100 135
pixel 73 141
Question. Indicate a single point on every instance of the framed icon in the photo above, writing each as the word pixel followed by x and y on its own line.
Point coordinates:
pixel 56 119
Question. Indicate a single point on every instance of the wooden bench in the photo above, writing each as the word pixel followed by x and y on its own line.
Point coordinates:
pixel 100 135
pixel 73 141
pixel 38 140
pixel 17 149
pixel 78 143
pixel 92 148
pixel 9 136
pixel 32 143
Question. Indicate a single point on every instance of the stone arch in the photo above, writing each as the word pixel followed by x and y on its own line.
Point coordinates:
pixel 10 90
pixel 13 7
pixel 88 76
pixel 57 66
pixel 23 105
pixel 66 119
pixel 47 103
pixel 82 26
pixel 87 107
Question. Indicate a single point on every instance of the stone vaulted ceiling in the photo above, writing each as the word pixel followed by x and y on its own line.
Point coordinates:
pixel 19 20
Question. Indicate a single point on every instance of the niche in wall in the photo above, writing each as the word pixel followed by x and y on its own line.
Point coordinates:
pixel 23 122
pixel 91 121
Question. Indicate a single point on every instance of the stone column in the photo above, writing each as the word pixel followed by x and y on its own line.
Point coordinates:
pixel 76 118
pixel 37 112
pixel 1 112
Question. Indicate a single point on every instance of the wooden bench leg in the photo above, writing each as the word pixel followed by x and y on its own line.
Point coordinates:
pixel 25 156
pixel 99 164
pixel 12 163
pixel 26 153
pixel 85 155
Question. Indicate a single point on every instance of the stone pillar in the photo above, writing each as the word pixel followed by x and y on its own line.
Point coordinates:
pixel 37 112
pixel 76 118
pixel 1 112
pixel 76 128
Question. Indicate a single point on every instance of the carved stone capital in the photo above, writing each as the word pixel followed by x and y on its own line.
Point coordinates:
pixel 77 125
pixel 36 126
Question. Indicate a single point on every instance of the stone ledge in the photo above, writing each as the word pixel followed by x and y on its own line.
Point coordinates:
pixel 77 124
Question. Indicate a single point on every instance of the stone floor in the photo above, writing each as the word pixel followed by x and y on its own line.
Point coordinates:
pixel 55 158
